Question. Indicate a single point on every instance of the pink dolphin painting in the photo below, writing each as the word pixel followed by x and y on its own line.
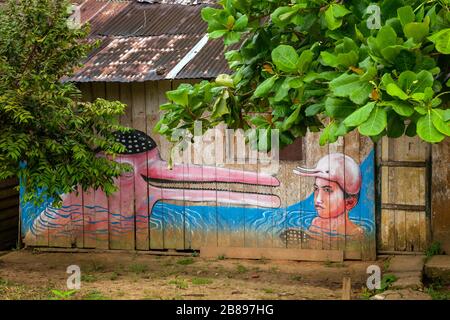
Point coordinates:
pixel 144 186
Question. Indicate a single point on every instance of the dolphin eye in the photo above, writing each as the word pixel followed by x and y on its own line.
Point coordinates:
pixel 135 141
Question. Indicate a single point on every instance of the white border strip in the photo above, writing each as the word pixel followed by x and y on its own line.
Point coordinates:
pixel 187 58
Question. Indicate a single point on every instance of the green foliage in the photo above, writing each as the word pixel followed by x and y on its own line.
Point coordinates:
pixel 437 292
pixel 434 249
pixel 138 268
pixel 185 261
pixel 62 295
pixel 201 281
pixel 179 283
pixel 315 65
pixel 49 138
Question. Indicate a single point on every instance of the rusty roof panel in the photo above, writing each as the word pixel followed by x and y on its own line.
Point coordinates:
pixel 154 20
pixel 208 63
pixel 97 13
pixel 136 59
pixel 143 41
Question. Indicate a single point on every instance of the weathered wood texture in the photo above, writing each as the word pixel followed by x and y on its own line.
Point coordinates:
pixel 440 194
pixel 404 178
pixel 9 214
pixel 213 219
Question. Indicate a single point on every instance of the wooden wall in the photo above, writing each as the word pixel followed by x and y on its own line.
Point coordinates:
pixel 187 224
pixel 9 214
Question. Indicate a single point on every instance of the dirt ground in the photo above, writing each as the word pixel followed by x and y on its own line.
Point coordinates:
pixel 30 274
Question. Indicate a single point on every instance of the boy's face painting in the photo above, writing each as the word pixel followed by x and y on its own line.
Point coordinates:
pixel 329 199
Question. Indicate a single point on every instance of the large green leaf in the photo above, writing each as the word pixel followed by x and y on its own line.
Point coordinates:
pixel 334 15
pixel 400 107
pixel 304 61
pixel 438 116
pixel 338 108
pixel 441 39
pixel 395 91
pixel 375 124
pixel 406 15
pixel 179 96
pixel 417 30
pixel 264 88
pixel 285 58
pixel 241 23
pixel 351 86
pixel 220 107
pixel 427 131
pixel 360 115
pixel 289 121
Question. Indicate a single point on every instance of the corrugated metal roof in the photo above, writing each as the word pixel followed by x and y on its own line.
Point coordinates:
pixel 143 41
pixel 136 58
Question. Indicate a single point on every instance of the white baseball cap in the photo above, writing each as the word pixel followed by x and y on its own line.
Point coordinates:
pixel 336 167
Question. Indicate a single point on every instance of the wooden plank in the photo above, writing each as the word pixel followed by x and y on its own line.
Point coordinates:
pixel 101 220
pixel 9 213
pixel 408 149
pixel 127 228
pixel 8 192
pixel 423 230
pixel 112 93
pixel 368 245
pixel 314 154
pixel 413 231
pixel 89 219
pixel 439 218
pixel 387 230
pixel 339 147
pixel 8 183
pixel 400 230
pixel 352 148
pixel 174 226
pixel 9 202
pixel 273 253
pixel 237 236
pixel 99 232
pixel 156 238
pixel 86 91
pixel 141 193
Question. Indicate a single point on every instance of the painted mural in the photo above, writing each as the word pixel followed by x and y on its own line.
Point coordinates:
pixel 156 203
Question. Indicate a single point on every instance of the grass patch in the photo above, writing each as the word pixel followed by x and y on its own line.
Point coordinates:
pixel 62 295
pixel 201 281
pixel 241 269
pixel 296 278
pixel 434 249
pixel 185 261
pixel 221 257
pixel 88 278
pixel 113 276
pixel 274 269
pixel 438 293
pixel 268 290
pixel 96 266
pixel 179 283
pixel 94 295
pixel 138 268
